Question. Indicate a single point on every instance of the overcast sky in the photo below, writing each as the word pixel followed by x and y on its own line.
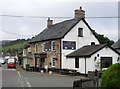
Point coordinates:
pixel 14 26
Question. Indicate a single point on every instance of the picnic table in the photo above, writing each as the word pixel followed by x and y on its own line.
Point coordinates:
pixel 68 72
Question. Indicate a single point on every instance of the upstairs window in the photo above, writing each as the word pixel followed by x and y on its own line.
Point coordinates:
pixel 80 32
pixel 43 47
pixel 36 47
pixel 46 47
pixel 53 45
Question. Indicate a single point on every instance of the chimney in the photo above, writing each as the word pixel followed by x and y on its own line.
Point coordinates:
pixel 49 22
pixel 79 13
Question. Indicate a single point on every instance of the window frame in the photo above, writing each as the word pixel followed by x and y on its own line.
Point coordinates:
pixel 53 46
pixel 53 62
pixel 80 32
pixel 43 47
pixel 36 47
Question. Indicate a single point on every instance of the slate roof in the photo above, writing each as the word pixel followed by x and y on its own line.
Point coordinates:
pixel 57 31
pixel 116 45
pixel 87 51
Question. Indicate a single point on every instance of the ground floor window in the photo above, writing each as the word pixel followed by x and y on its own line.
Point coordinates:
pixel 106 62
pixel 53 62
pixel 76 62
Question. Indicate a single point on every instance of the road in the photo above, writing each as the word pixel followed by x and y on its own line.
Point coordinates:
pixel 15 78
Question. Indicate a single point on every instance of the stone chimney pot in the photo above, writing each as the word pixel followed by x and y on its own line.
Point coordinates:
pixel 49 22
pixel 79 13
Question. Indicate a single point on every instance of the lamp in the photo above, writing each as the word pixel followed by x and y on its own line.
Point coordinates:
pixel 118 59
pixel 95 58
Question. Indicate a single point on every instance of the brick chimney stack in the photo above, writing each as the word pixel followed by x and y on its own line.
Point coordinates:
pixel 79 13
pixel 49 22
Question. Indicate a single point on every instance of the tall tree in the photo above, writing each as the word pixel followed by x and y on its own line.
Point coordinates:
pixel 102 39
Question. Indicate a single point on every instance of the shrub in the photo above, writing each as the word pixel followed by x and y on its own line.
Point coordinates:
pixel 111 77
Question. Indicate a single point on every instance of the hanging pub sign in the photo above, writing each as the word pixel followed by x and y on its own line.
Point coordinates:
pixel 69 45
pixel 36 55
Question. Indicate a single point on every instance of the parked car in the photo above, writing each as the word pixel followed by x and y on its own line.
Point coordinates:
pixel 11 63
pixel 2 61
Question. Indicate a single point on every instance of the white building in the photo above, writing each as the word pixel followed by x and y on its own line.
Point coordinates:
pixel 91 57
pixel 69 36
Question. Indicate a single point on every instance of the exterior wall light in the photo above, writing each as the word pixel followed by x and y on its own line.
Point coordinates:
pixel 95 58
pixel 118 59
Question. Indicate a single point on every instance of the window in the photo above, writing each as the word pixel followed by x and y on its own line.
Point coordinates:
pixel 24 52
pixel 92 43
pixel 80 32
pixel 53 62
pixel 106 62
pixel 43 47
pixel 29 49
pixel 36 47
pixel 76 62
pixel 53 45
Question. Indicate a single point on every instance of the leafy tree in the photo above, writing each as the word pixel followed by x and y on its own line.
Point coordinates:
pixel 111 77
pixel 102 39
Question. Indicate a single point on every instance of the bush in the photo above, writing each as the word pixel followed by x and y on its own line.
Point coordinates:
pixel 111 77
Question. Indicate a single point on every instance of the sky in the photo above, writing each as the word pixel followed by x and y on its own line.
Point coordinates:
pixel 27 18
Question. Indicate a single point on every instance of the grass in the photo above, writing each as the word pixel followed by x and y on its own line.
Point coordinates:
pixel 15 47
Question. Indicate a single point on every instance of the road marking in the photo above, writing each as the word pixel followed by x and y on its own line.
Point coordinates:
pixel 27 82
pixel 19 74
pixel 20 79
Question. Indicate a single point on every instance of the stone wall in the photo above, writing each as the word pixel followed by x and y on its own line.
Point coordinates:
pixel 50 54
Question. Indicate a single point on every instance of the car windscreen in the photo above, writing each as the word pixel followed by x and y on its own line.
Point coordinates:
pixel 11 63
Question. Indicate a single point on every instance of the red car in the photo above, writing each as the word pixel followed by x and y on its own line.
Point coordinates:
pixel 11 65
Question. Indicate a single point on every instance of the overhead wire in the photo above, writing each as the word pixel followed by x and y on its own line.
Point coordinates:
pixel 20 16
pixel 58 17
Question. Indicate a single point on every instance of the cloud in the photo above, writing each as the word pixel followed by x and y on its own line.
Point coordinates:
pixel 27 26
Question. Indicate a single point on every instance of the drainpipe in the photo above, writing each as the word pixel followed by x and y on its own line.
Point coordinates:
pixel 60 54
pixel 85 65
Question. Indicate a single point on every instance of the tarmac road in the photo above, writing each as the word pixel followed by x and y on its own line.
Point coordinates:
pixel 14 78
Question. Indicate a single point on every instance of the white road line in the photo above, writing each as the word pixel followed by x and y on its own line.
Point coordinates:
pixel 27 82
pixel 20 79
pixel 19 74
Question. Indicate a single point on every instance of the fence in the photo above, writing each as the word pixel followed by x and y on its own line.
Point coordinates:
pixel 86 83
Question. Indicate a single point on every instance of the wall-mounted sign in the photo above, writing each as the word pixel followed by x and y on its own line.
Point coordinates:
pixel 48 46
pixel 69 45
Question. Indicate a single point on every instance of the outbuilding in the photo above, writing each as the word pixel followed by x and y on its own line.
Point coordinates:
pixel 91 57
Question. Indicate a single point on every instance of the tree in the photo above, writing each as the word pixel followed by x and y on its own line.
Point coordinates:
pixel 111 77
pixel 102 39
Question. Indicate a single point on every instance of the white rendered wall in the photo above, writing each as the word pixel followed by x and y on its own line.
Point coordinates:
pixel 72 35
pixel 90 63
pixel 105 52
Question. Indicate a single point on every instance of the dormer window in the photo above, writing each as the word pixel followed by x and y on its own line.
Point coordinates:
pixel 80 32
